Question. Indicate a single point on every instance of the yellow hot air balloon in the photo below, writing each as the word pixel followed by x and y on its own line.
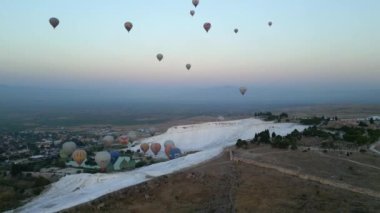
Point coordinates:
pixel 79 156
pixel 144 147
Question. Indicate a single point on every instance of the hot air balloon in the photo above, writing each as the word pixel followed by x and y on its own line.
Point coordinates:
pixel 54 22
pixel 155 147
pixel 114 156
pixel 68 148
pixel 174 153
pixel 79 156
pixel 132 135
pixel 123 140
pixel 108 140
pixel 236 30
pixel 207 26
pixel 144 147
pixel 103 159
pixel 160 56
pixel 195 3
pixel 192 12
pixel 128 25
pixel 243 90
pixel 169 143
pixel 188 66
pixel 167 150
pixel 270 24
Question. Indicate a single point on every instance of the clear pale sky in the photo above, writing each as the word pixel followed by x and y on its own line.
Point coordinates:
pixel 312 42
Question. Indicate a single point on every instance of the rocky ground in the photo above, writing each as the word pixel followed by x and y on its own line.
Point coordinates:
pixel 221 185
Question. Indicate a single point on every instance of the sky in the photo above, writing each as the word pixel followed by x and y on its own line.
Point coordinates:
pixel 312 43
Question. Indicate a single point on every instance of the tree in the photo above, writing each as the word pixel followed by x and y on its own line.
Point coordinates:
pixel 371 121
pixel 16 170
pixel 284 115
pixel 273 134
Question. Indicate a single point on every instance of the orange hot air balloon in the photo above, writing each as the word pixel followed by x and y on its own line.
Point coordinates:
pixel 79 156
pixel 167 149
pixel 123 140
pixel 144 147
pixel 155 147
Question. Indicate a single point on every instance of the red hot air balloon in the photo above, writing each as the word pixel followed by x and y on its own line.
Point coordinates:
pixel 155 147
pixel 207 26
pixel 123 140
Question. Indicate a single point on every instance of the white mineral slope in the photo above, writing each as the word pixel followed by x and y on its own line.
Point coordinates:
pixel 207 138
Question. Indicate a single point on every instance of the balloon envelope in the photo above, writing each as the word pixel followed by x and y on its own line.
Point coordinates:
pixel 79 156
pixel 207 26
pixel 144 147
pixel 114 156
pixel 108 140
pixel 188 66
pixel 195 3
pixel 270 24
pixel 123 140
pixel 128 25
pixel 103 159
pixel 54 22
pixel 68 148
pixel 167 150
pixel 243 90
pixel 236 30
pixel 174 153
pixel 155 147
pixel 160 56
pixel 169 143
pixel 192 12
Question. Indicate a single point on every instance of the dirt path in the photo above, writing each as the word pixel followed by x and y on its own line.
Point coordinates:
pixel 373 148
pixel 307 177
pixel 351 161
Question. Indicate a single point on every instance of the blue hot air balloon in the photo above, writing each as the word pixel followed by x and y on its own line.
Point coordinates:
pixel 174 153
pixel 114 156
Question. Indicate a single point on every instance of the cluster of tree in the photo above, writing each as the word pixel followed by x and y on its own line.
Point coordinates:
pixel 314 131
pixel 241 144
pixel 277 141
pixel 360 136
pixel 268 116
pixel 284 142
pixel 314 120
